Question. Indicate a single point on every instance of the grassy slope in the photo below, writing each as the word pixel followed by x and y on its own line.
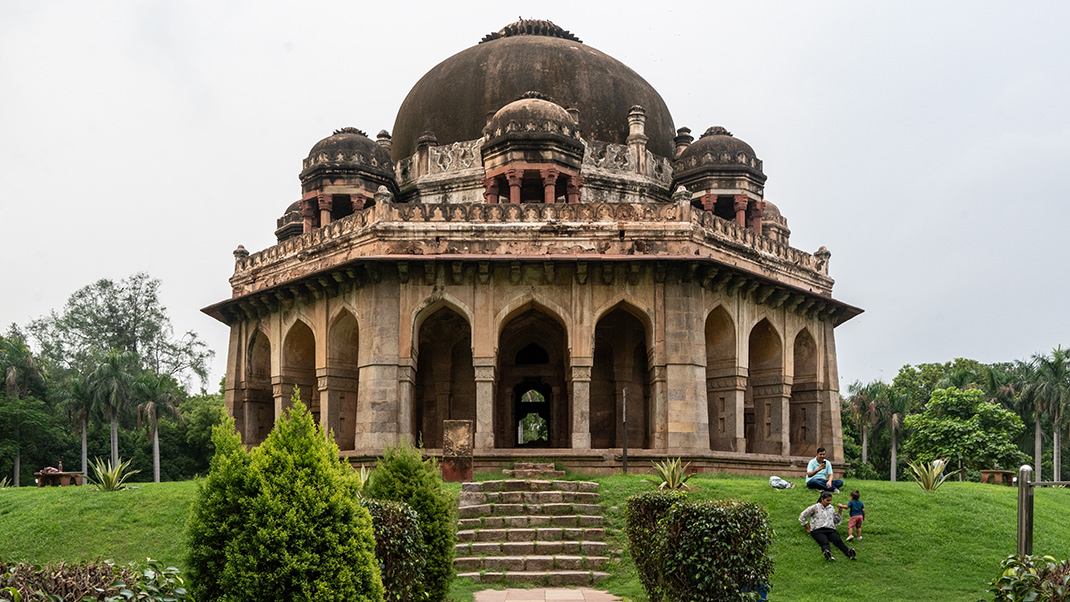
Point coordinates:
pixel 918 546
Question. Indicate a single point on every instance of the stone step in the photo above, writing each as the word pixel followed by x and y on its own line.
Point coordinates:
pixel 527 548
pixel 532 474
pixel 526 534
pixel 528 485
pixel 522 521
pixel 529 563
pixel 474 498
pixel 542 577
pixel 552 509
pixel 534 466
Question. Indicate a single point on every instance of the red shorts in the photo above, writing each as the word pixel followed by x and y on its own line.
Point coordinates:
pixel 855 522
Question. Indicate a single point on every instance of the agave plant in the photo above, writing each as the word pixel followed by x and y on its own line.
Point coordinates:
pixel 110 477
pixel 5 482
pixel 672 474
pixel 930 475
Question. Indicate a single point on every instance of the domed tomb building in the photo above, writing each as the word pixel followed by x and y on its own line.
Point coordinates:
pixel 537 249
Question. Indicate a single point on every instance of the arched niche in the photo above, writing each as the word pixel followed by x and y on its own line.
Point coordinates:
pixel 342 379
pixel 620 365
pixel 725 384
pixel 764 396
pixel 445 387
pixel 299 366
pixel 532 356
pixel 805 405
pixel 258 409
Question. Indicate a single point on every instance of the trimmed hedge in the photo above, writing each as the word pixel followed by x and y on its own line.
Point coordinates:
pixel 643 512
pixel 281 522
pixel 399 547
pixel 403 475
pixel 710 551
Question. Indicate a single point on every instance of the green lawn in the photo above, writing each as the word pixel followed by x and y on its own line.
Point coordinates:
pixel 918 546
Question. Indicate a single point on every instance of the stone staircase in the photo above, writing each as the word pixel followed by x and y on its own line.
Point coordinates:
pixel 531 530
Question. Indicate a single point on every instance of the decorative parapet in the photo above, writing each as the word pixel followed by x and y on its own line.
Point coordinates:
pixel 619 159
pixel 459 156
pixel 517 221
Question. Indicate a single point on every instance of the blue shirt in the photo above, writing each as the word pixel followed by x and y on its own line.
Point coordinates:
pixel 822 474
pixel 855 507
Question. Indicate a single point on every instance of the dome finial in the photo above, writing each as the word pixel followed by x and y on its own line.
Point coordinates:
pixel 531 27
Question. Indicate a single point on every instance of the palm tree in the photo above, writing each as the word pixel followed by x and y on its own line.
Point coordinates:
pixel 892 407
pixel 156 392
pixel 1048 387
pixel 21 375
pixel 111 385
pixel 863 406
pixel 77 400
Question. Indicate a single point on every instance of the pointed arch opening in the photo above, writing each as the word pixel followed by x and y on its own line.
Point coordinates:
pixel 765 402
pixel 620 375
pixel 258 410
pixel 725 383
pixel 445 387
pixel 342 380
pixel 532 356
pixel 299 367
pixel 805 406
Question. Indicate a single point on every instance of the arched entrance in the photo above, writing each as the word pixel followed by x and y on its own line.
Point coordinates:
pixel 445 378
pixel 766 398
pixel 258 415
pixel 532 359
pixel 620 365
pixel 299 368
pixel 804 405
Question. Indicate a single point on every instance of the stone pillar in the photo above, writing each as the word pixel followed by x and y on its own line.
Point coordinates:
pixel 359 201
pixel 757 211
pixel 709 201
pixel 308 215
pixel 549 183
pixel 423 154
pixel 326 203
pixel 406 389
pixel 490 189
pixel 282 391
pixel 740 206
pixel 329 405
pixel 515 177
pixel 682 140
pixel 484 368
pixel 457 450
pixel 573 186
pixel 580 395
pixel 637 137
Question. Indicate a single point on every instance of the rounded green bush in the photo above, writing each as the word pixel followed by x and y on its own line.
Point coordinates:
pixel 642 513
pixel 282 521
pixel 399 546
pixel 402 475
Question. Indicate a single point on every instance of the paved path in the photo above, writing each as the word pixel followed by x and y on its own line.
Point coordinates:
pixel 551 594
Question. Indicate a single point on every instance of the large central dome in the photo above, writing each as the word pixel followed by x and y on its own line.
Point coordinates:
pixel 454 99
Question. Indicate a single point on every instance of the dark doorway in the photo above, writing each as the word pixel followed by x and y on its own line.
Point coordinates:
pixel 532 409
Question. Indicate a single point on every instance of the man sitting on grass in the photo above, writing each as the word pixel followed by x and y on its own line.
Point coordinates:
pixel 819 474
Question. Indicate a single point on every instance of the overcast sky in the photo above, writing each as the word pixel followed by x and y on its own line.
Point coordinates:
pixel 924 143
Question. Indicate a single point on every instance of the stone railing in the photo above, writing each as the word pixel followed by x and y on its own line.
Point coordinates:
pixel 619 214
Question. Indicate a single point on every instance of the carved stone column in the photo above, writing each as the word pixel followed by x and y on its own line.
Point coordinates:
pixel 740 205
pixel 308 215
pixel 725 399
pixel 490 190
pixel 549 183
pixel 406 389
pixel 709 201
pixel 756 213
pixel 580 383
pixel 359 201
pixel 326 203
pixel 573 187
pixel 484 368
pixel 771 418
pixel 515 177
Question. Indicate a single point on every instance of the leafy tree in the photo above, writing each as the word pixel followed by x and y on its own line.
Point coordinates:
pixel 156 393
pixel 124 316
pixel 75 396
pixel 282 521
pixel 201 413
pixel 967 429
pixel 21 412
pixel 863 406
pixel 402 475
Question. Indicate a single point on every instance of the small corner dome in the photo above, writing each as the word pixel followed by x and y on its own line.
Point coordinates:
pixel 532 108
pixel 348 148
pixel 718 148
